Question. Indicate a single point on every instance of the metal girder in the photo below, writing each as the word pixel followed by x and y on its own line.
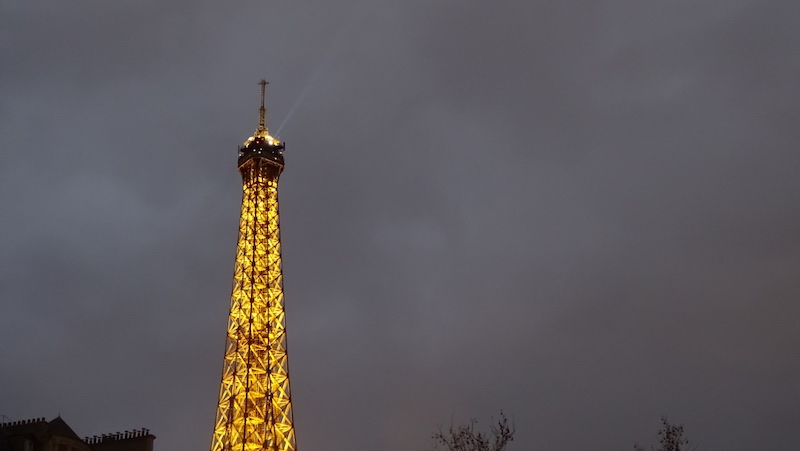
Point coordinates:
pixel 255 410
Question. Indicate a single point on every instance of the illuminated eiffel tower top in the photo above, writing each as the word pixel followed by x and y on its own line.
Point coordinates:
pixel 261 144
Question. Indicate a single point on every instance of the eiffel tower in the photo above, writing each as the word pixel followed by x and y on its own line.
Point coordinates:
pixel 255 409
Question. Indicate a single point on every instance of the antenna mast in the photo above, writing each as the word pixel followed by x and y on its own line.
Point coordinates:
pixel 262 112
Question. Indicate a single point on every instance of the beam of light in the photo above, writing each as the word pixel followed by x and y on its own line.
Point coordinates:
pixel 334 48
pixel 313 80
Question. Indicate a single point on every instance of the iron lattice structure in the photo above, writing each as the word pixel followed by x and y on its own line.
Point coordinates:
pixel 255 409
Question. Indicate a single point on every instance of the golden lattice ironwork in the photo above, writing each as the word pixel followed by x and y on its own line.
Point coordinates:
pixel 255 409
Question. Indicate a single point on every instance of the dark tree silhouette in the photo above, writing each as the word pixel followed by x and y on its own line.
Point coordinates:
pixel 465 437
pixel 670 438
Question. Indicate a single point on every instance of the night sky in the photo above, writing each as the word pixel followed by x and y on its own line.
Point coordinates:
pixel 585 214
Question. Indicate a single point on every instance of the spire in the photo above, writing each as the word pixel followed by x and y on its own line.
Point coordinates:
pixel 262 113
pixel 261 131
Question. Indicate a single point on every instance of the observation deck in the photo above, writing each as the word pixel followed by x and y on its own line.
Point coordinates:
pixel 265 147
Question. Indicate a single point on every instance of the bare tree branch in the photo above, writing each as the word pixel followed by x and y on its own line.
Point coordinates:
pixel 465 437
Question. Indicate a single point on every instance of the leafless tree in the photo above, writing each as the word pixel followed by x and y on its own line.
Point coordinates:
pixel 466 437
pixel 670 438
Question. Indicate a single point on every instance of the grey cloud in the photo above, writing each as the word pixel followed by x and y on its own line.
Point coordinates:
pixel 581 213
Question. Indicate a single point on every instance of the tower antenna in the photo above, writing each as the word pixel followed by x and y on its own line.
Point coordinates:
pixel 262 112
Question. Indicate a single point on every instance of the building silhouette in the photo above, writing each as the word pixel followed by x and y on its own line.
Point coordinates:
pixel 38 434
pixel 254 411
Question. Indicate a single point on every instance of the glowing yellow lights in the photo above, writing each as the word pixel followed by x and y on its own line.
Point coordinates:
pixel 254 410
pixel 262 134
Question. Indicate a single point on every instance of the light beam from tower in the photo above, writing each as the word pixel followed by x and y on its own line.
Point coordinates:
pixel 255 409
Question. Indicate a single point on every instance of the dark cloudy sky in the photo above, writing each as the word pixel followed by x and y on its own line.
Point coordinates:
pixel 584 213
